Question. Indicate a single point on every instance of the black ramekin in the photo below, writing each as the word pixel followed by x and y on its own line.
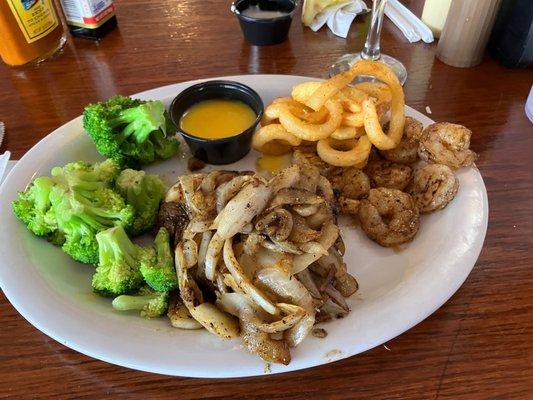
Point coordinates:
pixel 264 32
pixel 217 151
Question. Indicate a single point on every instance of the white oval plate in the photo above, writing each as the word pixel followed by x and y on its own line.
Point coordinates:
pixel 397 290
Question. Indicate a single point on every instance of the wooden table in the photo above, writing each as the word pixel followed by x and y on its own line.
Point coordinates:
pixel 477 346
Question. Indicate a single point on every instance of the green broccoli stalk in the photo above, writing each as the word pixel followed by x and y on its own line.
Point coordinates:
pixel 144 193
pixel 158 269
pixel 118 266
pixel 151 304
pixel 130 131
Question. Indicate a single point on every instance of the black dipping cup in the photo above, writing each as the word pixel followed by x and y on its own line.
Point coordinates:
pixel 217 151
pixel 265 31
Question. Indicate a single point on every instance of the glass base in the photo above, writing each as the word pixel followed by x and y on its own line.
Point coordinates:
pixel 345 62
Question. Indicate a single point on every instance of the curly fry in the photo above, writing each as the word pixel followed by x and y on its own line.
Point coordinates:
pixel 354 120
pixel 297 109
pixel 274 139
pixel 378 90
pixel 347 132
pixel 349 96
pixel 332 86
pixel 356 156
pixel 312 132
pixel 374 131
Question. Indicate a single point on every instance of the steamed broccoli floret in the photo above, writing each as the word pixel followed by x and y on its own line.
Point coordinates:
pixel 163 147
pixel 33 207
pixel 81 245
pixel 130 131
pixel 73 205
pixel 157 268
pixel 118 266
pixel 83 207
pixel 84 176
pixel 152 304
pixel 57 238
pixel 144 193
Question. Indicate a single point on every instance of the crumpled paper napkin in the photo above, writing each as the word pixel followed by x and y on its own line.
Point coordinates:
pixel 338 16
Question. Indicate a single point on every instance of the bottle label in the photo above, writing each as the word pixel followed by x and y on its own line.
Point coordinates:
pixel 88 13
pixel 35 18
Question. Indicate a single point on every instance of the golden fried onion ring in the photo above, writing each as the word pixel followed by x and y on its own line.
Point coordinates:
pixel 347 132
pixel 355 120
pixel 297 109
pixel 309 131
pixel 303 91
pixel 378 90
pixel 374 131
pixel 274 139
pixel 356 156
pixel 350 97
pixel 332 86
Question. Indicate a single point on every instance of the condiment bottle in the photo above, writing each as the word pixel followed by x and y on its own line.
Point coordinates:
pixel 434 15
pixel 30 31
pixel 511 40
pixel 90 19
pixel 466 32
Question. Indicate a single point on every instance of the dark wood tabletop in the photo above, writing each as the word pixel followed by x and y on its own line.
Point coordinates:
pixel 476 346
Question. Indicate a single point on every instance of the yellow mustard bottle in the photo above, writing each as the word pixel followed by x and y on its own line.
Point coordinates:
pixel 30 31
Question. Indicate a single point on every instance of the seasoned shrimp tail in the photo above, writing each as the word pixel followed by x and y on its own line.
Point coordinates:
pixel 389 217
pixel 448 144
pixel 433 187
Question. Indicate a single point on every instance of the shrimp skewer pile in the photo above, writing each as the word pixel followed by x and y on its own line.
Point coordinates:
pixel 416 177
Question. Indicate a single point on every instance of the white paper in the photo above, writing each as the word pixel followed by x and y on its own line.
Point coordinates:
pixel 4 160
pixel 411 26
pixel 339 17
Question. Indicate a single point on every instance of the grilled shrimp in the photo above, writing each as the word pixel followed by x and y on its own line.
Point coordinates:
pixel 349 206
pixel 307 155
pixel 448 144
pixel 350 182
pixel 389 216
pixel 433 187
pixel 350 185
pixel 407 150
pixel 387 174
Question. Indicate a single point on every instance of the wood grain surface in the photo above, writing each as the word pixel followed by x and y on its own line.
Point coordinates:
pixel 477 346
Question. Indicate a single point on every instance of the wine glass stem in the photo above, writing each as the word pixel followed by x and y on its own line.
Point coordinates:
pixel 371 50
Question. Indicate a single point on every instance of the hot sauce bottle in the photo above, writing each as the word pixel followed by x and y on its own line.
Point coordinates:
pixel 90 19
pixel 30 31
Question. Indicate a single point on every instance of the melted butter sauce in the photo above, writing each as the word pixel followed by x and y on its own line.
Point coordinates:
pixel 273 164
pixel 217 118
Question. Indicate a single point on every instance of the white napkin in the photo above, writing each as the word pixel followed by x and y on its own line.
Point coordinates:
pixel 410 25
pixel 339 17
pixel 4 158
pixel 2 132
